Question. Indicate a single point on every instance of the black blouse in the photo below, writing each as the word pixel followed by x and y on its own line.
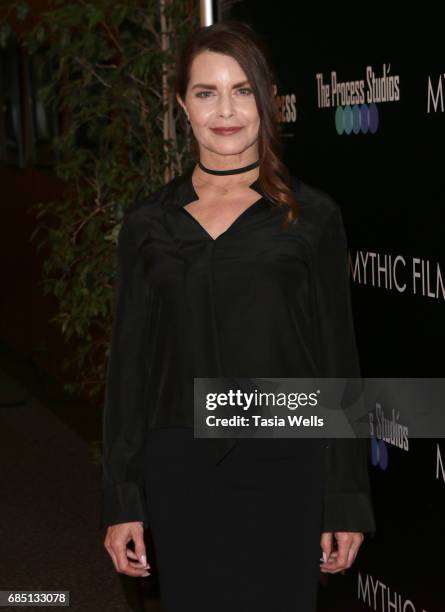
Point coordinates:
pixel 257 301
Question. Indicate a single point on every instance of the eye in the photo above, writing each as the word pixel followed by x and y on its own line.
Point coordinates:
pixel 245 91
pixel 202 94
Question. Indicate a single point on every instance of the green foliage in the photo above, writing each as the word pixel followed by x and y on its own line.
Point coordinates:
pixel 123 136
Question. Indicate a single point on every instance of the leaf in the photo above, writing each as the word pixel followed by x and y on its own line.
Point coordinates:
pixel 101 75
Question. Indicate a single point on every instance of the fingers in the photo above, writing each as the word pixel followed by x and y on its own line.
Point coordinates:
pixel 353 550
pixel 326 543
pixel 348 544
pixel 140 562
pixel 116 541
pixel 139 549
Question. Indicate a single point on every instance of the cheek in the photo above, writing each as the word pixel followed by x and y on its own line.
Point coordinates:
pixel 250 113
pixel 253 122
pixel 200 116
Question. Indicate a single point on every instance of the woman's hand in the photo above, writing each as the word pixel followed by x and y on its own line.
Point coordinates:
pixel 348 543
pixel 116 541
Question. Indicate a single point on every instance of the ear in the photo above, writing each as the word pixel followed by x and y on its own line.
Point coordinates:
pixel 274 90
pixel 181 103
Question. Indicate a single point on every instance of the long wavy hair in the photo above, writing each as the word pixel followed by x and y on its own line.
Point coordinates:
pixel 238 40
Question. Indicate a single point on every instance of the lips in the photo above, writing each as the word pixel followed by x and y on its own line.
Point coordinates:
pixel 226 131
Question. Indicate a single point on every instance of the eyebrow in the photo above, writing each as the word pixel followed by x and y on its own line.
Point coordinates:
pixel 210 86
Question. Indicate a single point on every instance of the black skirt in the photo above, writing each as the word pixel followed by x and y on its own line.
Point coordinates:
pixel 241 535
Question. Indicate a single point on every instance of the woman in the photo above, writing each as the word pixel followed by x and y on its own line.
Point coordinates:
pixel 231 269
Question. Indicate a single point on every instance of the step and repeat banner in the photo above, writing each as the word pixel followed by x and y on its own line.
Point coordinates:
pixel 361 95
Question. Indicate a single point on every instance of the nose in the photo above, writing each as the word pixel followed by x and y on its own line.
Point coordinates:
pixel 225 105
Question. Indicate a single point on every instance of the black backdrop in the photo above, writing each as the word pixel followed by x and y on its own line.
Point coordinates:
pixel 387 175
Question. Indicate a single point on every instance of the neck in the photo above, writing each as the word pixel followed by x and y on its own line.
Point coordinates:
pixel 225 171
pixel 238 170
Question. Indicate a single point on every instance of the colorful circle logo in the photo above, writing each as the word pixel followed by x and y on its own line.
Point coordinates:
pixel 357 119
pixel 379 453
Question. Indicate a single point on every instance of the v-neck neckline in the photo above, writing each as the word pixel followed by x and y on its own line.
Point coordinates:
pixel 192 196
pixel 234 222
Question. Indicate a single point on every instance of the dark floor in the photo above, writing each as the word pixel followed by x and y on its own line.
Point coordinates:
pixel 50 535
pixel 50 506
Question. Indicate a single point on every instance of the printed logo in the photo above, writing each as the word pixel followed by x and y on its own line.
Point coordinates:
pixel 440 471
pixel 356 102
pixel 396 273
pixel 357 119
pixel 287 108
pixel 385 431
pixel 383 597
pixel 435 96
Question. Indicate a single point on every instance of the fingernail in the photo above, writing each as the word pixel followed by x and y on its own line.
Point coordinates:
pixel 325 558
pixel 146 574
pixel 143 560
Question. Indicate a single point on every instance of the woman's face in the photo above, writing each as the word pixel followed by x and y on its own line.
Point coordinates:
pixel 219 96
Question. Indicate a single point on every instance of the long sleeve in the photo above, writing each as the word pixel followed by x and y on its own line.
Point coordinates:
pixel 348 502
pixel 125 414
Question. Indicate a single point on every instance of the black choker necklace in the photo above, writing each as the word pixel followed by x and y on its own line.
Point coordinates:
pixel 235 171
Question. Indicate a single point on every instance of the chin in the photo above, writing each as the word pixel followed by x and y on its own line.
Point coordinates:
pixel 230 148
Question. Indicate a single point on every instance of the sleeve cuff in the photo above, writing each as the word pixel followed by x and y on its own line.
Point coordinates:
pixel 348 512
pixel 123 503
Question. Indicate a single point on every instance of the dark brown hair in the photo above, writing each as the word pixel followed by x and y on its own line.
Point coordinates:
pixel 240 41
